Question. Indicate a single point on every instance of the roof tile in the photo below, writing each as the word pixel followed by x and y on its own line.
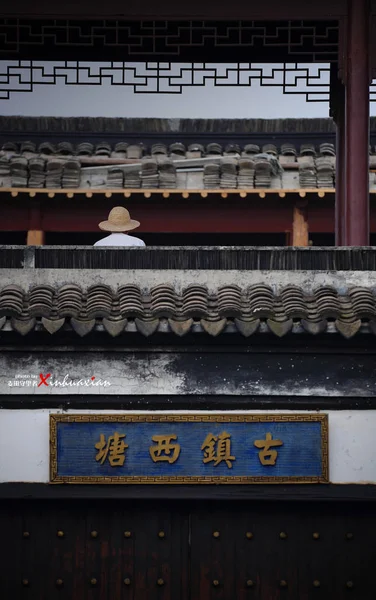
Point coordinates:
pixel 245 308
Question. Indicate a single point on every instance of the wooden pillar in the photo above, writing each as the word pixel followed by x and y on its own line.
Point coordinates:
pixel 340 205
pixel 35 234
pixel 300 233
pixel 35 237
pixel 356 230
pixel 337 111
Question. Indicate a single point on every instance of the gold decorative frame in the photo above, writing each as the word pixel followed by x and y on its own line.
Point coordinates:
pixel 202 418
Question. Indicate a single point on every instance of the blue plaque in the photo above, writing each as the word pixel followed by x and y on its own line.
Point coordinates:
pixel 186 449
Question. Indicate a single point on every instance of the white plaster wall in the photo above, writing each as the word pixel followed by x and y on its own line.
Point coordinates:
pixel 212 279
pixel 24 444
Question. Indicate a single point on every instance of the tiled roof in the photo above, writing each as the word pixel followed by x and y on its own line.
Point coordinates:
pixel 132 166
pixel 135 150
pixel 100 126
pixel 55 153
pixel 256 308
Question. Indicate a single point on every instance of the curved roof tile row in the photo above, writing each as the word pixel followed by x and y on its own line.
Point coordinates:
pixel 246 308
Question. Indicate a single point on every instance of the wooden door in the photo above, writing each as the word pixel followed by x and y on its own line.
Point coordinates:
pixel 119 550
pixel 287 551
pixel 93 551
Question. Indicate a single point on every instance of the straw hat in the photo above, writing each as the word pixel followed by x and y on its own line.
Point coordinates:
pixel 118 220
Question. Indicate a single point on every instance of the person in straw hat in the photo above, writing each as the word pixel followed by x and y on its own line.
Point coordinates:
pixel 119 222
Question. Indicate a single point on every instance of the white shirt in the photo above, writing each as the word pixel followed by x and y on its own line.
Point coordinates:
pixel 120 239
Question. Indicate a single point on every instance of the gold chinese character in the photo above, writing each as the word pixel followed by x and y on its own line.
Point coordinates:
pixel 163 449
pixel 218 449
pixel 113 449
pixel 267 456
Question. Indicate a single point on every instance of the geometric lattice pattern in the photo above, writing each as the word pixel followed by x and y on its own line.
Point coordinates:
pixel 372 92
pixel 113 39
pixel 310 80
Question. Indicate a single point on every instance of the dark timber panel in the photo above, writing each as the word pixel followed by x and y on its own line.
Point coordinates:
pixel 200 257
pixel 162 402
pixel 210 258
pixel 333 493
pixel 118 550
pixel 196 9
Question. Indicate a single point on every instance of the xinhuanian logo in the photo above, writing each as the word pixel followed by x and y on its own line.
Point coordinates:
pixel 49 381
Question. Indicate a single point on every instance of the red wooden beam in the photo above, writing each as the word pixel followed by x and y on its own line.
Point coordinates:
pixel 172 217
pixel 253 216
pixel 211 215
